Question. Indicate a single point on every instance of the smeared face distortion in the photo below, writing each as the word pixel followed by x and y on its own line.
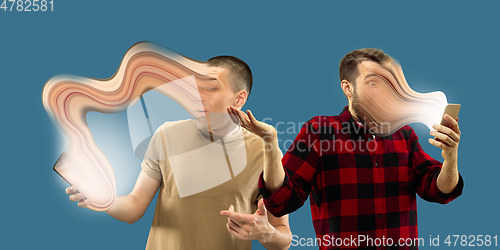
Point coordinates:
pixel 383 101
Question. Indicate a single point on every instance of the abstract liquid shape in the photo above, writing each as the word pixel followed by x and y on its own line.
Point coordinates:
pixel 199 160
pixel 151 111
pixel 68 99
pixel 387 102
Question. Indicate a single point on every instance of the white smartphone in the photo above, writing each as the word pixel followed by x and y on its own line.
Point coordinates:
pixel 59 168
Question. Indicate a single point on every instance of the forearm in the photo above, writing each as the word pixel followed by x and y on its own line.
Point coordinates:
pixel 279 240
pixel 125 209
pixel 273 172
pixel 447 179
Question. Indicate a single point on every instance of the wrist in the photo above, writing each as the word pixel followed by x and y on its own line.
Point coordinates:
pixel 270 136
pixel 271 145
pixel 450 162
pixel 267 237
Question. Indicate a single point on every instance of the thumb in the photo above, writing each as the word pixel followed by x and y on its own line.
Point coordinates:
pixel 261 208
pixel 231 208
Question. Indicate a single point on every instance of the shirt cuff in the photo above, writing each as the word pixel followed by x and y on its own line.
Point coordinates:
pixel 263 191
pixel 453 195
pixel 151 169
pixel 277 202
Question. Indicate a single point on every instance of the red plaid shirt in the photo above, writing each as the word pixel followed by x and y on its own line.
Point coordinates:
pixel 362 187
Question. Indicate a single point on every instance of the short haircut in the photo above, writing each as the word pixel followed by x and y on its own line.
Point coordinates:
pixel 348 68
pixel 240 73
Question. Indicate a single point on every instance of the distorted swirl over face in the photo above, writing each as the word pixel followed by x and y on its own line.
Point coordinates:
pixel 384 102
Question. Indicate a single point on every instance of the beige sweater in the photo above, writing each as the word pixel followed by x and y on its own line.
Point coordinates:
pixel 201 177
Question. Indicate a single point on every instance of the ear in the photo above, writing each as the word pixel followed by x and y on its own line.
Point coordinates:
pixel 241 99
pixel 348 88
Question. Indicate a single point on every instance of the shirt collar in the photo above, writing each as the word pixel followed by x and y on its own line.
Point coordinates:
pixel 355 129
pixel 346 117
pixel 234 135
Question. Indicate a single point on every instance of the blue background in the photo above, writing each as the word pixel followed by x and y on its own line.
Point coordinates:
pixel 293 48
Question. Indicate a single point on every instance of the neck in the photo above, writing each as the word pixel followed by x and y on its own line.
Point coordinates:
pixel 217 124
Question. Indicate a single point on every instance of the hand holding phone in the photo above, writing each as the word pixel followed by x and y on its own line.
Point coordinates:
pixel 451 110
pixel 59 168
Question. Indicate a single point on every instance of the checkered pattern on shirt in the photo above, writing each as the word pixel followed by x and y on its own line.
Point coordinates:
pixel 359 184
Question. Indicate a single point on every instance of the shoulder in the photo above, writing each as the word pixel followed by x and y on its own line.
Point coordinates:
pixel 176 125
pixel 405 133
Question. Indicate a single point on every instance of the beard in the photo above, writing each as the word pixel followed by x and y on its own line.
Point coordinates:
pixel 358 110
pixel 363 116
pixel 372 126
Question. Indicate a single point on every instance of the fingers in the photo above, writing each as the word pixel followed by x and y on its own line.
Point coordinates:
pixel 226 212
pixel 241 116
pixel 453 123
pixel 235 226
pixel 438 144
pixel 71 190
pixel 252 118
pixel 77 197
pixel 234 118
pixel 232 227
pixel 447 139
pixel 261 208
pixel 440 129
pixel 246 226
pixel 238 113
pixel 238 231
pixel 237 218
pixel 234 231
pixel 245 121
pixel 84 203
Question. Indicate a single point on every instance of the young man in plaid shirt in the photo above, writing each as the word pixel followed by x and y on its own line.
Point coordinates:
pixel 363 188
